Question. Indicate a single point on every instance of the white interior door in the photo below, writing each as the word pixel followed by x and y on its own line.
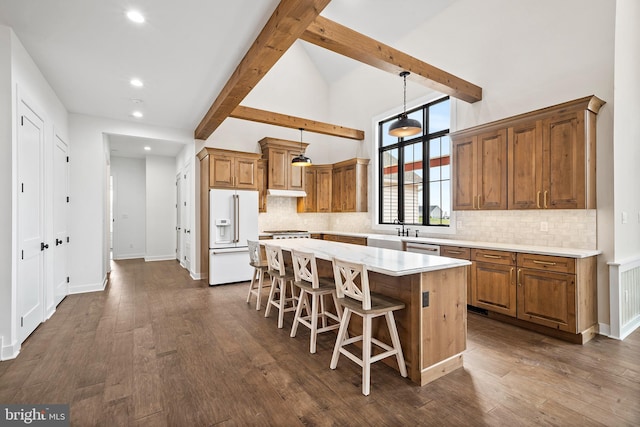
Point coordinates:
pixel 60 219
pixel 30 283
pixel 179 229
pixel 186 217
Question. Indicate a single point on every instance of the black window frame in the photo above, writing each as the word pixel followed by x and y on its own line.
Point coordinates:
pixel 424 137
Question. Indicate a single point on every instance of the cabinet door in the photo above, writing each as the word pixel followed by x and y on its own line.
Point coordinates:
pixel 547 298
pixel 564 162
pixel 261 169
pixel 337 185
pixel 349 194
pixel 310 189
pixel 279 165
pixel 323 190
pixel 246 175
pixel 221 172
pixel 464 174
pixel 494 288
pixel 295 173
pixel 525 166
pixel 492 170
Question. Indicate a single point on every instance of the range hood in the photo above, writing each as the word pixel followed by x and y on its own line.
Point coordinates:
pixel 287 193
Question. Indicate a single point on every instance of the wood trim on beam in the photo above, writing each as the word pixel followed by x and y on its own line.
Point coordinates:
pixel 344 41
pixel 288 21
pixel 277 119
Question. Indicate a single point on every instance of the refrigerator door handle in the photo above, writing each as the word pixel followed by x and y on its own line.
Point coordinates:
pixel 236 220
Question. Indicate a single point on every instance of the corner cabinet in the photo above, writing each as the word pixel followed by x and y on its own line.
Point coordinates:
pixel 230 169
pixel 544 159
pixel 349 186
pixel 281 175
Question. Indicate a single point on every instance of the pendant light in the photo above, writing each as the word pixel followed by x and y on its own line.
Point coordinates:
pixel 405 126
pixel 301 159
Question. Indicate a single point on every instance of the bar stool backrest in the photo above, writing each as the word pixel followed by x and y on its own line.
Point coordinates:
pixel 254 252
pixel 346 275
pixel 274 259
pixel 305 267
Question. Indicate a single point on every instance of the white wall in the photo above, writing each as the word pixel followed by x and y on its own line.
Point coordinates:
pixel 6 185
pixel 525 55
pixel 160 208
pixel 129 207
pixel 626 147
pixel 88 174
pixel 20 77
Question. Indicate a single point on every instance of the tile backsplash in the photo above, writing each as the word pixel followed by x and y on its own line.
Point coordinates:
pixel 564 228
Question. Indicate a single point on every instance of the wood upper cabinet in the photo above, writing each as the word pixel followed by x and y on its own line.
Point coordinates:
pixel 317 185
pixel 231 169
pixel 480 165
pixel 547 161
pixel 349 186
pixel 494 281
pixel 262 185
pixel 281 175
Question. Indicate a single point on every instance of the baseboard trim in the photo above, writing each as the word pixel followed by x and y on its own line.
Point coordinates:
pixel 159 258
pixel 195 276
pixel 604 329
pixel 9 352
pixel 130 256
pixel 89 287
pixel 629 327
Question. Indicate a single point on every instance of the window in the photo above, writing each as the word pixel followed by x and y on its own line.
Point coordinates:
pixel 412 190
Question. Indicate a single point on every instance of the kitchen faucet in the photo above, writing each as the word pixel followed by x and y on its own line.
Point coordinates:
pixel 403 232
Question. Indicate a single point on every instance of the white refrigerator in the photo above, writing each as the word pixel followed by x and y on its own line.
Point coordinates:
pixel 233 216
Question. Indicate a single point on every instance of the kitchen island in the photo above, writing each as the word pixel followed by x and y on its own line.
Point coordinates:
pixel 433 324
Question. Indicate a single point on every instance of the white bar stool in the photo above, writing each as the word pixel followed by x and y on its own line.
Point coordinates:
pixel 279 278
pixel 306 278
pixel 260 267
pixel 355 297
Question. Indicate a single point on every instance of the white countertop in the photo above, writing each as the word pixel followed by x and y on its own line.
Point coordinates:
pixel 380 260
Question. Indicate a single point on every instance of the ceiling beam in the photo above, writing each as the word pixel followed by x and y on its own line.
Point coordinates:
pixel 277 119
pixel 288 21
pixel 344 41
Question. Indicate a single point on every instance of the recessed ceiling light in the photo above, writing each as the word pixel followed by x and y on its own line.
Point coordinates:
pixel 137 114
pixel 147 148
pixel 136 82
pixel 135 16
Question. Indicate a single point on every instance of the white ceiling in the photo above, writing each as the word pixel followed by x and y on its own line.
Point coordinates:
pixel 184 52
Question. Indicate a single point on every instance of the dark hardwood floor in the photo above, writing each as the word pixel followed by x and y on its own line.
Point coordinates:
pixel 159 349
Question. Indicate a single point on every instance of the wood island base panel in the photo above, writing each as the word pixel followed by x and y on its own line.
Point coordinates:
pixel 433 324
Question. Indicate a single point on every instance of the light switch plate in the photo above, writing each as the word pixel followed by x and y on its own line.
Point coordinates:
pixel 544 226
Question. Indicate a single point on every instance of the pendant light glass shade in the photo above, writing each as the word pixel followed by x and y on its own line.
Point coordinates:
pixel 301 159
pixel 405 126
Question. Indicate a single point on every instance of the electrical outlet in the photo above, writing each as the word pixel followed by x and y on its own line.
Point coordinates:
pixel 459 223
pixel 544 226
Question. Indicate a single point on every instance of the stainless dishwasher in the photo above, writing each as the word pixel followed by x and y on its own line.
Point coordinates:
pixel 423 248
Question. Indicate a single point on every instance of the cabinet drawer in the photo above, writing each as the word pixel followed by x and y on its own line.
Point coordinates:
pixel 455 252
pixel 494 257
pixel 547 263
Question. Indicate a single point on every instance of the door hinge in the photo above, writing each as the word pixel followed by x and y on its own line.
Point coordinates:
pixel 22 254
pixel 21 120
pixel 21 322
pixel 67 199
pixel 67 159
pixel 22 187
pixel 185 203
pixel 185 177
pixel 67 279
pixel 67 239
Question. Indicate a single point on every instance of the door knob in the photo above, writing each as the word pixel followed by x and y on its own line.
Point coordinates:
pixel 58 242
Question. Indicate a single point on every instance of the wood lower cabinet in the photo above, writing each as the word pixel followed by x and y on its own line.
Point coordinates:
pixel 459 252
pixel 354 240
pixel 494 281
